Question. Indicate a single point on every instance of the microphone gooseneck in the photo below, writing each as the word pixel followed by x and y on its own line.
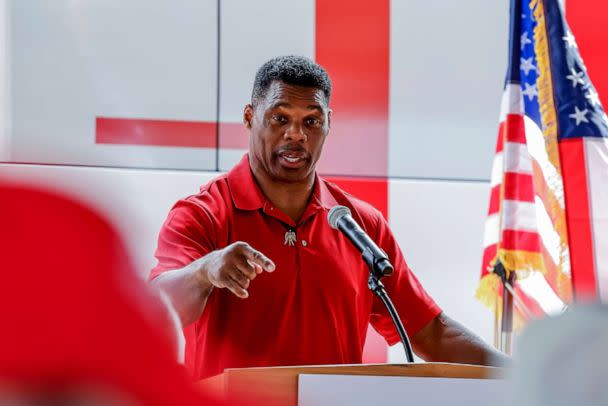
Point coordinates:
pixel 340 218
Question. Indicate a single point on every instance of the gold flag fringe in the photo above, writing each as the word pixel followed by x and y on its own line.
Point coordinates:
pixel 489 293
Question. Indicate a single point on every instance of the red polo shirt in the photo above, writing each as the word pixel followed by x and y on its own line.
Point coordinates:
pixel 315 307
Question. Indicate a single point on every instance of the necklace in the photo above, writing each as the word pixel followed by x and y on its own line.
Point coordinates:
pixel 290 238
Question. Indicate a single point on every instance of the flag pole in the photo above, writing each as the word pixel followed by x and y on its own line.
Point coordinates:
pixel 513 76
pixel 507 318
pixel 496 324
pixel 506 322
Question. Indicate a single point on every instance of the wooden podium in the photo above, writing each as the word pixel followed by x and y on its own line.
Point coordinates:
pixel 279 385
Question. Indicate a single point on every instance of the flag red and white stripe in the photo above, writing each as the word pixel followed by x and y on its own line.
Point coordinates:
pixel 526 206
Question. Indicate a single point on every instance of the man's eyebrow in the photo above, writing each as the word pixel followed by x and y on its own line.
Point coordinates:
pixel 315 107
pixel 280 104
pixel 287 105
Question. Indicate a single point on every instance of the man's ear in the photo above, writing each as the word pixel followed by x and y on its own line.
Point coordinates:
pixel 329 119
pixel 248 116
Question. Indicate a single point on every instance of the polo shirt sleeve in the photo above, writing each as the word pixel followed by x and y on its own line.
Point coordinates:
pixel 187 235
pixel 414 305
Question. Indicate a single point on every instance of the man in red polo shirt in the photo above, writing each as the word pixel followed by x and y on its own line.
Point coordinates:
pixel 253 267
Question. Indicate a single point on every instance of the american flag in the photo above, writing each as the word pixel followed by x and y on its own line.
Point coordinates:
pixel 548 214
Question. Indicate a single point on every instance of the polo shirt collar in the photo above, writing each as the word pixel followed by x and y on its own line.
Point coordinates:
pixel 321 194
pixel 246 193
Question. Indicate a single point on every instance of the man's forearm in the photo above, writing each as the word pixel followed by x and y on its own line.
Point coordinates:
pixel 444 339
pixel 187 289
pixel 232 267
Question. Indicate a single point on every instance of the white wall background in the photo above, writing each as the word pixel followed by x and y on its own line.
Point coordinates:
pixel 439 226
pixel 5 112
pixel 74 61
pixel 448 60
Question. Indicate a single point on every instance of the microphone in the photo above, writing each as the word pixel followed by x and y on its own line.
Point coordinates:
pixel 339 218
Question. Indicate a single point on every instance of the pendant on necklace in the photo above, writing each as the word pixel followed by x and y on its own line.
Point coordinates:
pixel 290 238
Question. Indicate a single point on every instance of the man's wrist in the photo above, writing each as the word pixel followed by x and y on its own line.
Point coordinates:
pixel 202 276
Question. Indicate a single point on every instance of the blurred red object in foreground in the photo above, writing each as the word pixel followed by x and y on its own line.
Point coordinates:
pixel 77 324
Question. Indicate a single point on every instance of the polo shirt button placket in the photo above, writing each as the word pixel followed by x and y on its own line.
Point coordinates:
pixel 304 243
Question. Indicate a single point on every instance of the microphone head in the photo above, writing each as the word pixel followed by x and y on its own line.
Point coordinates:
pixel 335 214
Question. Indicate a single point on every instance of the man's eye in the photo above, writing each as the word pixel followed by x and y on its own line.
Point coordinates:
pixel 279 118
pixel 313 122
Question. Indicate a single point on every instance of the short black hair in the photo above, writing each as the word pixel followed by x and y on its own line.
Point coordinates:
pixel 293 70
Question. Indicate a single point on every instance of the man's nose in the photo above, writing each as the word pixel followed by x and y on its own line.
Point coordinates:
pixel 295 133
